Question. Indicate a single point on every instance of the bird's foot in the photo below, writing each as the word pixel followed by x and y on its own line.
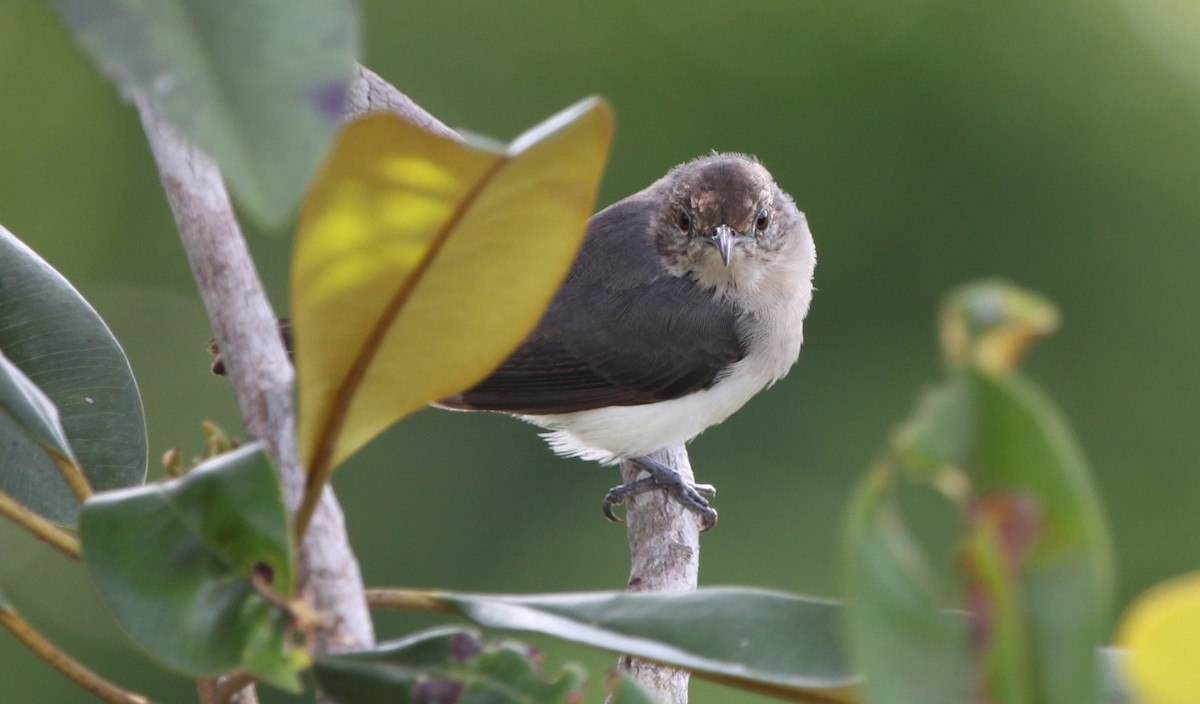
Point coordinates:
pixel 690 496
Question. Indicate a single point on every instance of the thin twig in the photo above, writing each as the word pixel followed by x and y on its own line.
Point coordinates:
pixel 73 475
pixel 68 666
pixel 407 600
pixel 41 529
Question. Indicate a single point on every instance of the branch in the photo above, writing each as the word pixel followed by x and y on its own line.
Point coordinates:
pixel 245 328
pixel 41 529
pixel 370 93
pixel 664 552
pixel 408 600
pixel 73 476
pixel 68 666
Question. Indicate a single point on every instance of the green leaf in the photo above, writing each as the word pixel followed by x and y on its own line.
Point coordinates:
pixel 1035 554
pixel 939 435
pixel 397 222
pixel 779 644
pixel 628 691
pixel 176 563
pixel 443 665
pixel 1029 462
pixel 257 84
pixel 28 410
pixel 59 342
pixel 911 649
pixel 999 605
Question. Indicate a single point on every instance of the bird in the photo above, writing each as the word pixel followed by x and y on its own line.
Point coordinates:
pixel 685 300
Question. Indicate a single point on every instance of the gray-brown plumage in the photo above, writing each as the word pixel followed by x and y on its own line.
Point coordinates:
pixel 685 300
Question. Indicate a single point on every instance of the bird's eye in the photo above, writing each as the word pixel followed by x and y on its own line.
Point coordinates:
pixel 684 221
pixel 764 219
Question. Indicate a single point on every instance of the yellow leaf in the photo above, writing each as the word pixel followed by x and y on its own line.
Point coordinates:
pixel 1161 631
pixel 422 262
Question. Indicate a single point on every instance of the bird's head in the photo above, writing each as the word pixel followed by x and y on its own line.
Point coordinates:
pixel 724 217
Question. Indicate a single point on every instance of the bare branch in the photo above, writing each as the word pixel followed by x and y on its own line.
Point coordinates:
pixel 370 93
pixel 664 551
pixel 245 328
pixel 68 666
pixel 41 529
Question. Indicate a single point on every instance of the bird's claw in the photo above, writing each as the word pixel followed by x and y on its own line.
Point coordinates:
pixel 688 495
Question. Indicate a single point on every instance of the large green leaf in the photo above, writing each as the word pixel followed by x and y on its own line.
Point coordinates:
pixel 258 84
pixel 29 411
pixel 444 665
pixel 1027 457
pixel 913 652
pixel 1035 561
pixel 182 566
pixel 56 339
pixel 780 644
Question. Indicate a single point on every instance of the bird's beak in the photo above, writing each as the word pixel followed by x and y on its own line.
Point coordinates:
pixel 723 238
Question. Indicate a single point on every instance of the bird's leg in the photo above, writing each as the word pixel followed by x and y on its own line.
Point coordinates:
pixel 663 477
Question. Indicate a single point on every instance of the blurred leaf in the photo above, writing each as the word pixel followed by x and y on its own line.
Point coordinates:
pixel 990 323
pixel 1035 556
pixel 937 438
pixel 449 665
pixel 257 84
pixel 1052 528
pixel 628 691
pixel 778 644
pixel 29 411
pixel 421 262
pixel 56 339
pixel 1000 615
pixel 913 651
pixel 177 564
pixel 1161 635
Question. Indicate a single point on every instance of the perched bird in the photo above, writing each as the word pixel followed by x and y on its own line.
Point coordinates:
pixel 685 300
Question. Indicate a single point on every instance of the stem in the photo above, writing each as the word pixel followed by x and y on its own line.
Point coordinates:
pixel 408 600
pixel 247 333
pixel 74 477
pixel 41 529
pixel 68 666
pixel 664 551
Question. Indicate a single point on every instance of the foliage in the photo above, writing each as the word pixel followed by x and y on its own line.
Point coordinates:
pixel 421 263
pixel 444 665
pixel 199 570
pixel 1034 559
pixel 55 339
pixel 258 84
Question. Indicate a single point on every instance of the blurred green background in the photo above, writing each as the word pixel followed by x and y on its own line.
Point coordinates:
pixel 930 142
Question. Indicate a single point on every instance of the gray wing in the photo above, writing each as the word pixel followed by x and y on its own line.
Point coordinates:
pixel 620 332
